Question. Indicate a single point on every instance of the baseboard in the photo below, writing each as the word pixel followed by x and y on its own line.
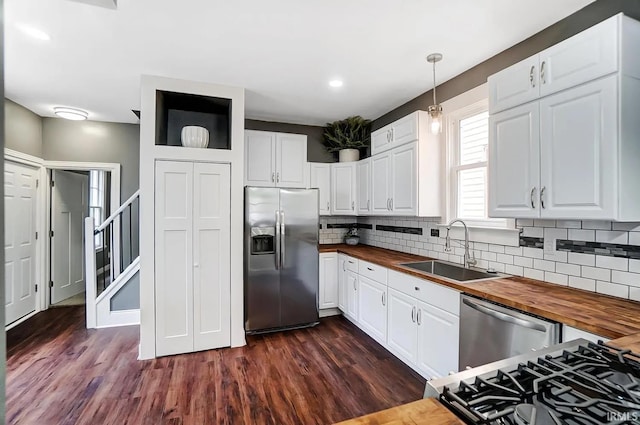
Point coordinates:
pixel 21 320
pixel 327 312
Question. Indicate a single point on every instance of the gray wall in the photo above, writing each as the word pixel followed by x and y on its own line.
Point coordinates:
pixel 315 149
pixel 128 298
pixel 571 25
pixel 23 129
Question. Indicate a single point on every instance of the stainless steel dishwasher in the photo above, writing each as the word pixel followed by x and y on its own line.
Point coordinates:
pixel 491 332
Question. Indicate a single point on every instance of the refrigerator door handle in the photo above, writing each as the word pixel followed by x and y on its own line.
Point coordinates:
pixel 282 239
pixel 278 238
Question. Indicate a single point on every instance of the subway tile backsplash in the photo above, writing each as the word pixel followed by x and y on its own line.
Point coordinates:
pixel 597 256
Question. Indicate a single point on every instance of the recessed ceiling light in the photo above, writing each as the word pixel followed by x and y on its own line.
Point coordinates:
pixel 70 113
pixel 336 83
pixel 33 32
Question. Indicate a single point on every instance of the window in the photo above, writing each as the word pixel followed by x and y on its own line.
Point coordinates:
pixel 468 140
pixel 97 202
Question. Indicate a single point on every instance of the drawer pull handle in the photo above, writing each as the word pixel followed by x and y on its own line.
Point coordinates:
pixel 370 269
pixel 416 288
pixel 413 314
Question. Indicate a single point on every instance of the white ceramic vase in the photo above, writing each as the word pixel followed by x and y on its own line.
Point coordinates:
pixel 194 136
pixel 348 155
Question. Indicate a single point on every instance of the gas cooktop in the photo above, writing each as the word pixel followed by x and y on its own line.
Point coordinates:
pixel 578 382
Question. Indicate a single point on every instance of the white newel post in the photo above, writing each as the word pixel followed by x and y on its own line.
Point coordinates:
pixel 91 277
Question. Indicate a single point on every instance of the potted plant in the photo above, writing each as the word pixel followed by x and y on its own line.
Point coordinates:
pixel 347 136
pixel 352 238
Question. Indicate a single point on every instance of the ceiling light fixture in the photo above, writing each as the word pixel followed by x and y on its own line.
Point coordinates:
pixel 33 32
pixel 435 110
pixel 336 83
pixel 70 113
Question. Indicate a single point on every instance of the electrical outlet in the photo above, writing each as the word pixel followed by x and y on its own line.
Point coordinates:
pixel 435 233
pixel 549 245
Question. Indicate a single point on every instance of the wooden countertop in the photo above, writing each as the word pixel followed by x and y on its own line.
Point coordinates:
pixel 422 412
pixel 603 315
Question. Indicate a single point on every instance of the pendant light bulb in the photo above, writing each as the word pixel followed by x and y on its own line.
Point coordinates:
pixel 435 110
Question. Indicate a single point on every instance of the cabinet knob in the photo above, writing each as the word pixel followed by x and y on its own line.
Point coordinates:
pixel 542 197
pixel 532 78
pixel 533 191
pixel 543 79
pixel 328 206
pixel 416 288
pixel 273 177
pixel 278 177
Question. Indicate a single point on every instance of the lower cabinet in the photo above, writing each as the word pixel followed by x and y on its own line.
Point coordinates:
pixel 351 289
pixel 438 333
pixel 328 281
pixel 372 308
pixel 342 283
pixel 403 328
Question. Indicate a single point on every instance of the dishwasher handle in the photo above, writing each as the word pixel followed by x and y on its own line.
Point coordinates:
pixel 505 317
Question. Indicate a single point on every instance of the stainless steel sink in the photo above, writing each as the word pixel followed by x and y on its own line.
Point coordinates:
pixel 450 271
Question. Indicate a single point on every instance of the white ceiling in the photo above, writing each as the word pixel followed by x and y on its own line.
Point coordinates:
pixel 284 52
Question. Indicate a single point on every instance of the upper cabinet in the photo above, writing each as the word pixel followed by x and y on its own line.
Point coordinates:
pixel 320 178
pixel 275 159
pixel 565 147
pixel 343 188
pixel 363 180
pixel 405 130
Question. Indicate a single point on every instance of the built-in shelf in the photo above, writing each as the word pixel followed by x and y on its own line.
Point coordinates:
pixel 177 110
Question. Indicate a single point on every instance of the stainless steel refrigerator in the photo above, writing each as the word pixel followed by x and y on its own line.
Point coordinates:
pixel 281 258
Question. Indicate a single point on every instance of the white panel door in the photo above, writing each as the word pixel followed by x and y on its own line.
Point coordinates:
pixel 343 188
pixel 20 246
pixel 260 158
pixel 404 180
pixel 69 207
pixel 438 344
pixel 579 150
pixel 514 86
pixel 514 162
pixel 364 186
pixel 372 308
pixel 381 140
pixel 584 57
pixel 211 256
pixel 405 130
pixel 402 333
pixel 291 160
pixel 328 291
pixel 380 176
pixel 174 257
pixel 320 176
pixel 352 295
pixel 342 283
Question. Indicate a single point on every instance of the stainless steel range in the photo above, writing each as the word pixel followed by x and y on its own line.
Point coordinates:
pixel 575 383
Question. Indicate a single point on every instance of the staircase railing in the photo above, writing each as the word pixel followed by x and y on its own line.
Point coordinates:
pixel 118 248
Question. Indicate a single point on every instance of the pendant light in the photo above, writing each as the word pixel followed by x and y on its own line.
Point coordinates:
pixel 435 110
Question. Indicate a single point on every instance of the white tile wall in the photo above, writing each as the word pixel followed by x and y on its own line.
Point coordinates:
pixel 329 236
pixel 614 276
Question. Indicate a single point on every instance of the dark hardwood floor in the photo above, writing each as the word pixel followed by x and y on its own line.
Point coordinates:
pixel 58 372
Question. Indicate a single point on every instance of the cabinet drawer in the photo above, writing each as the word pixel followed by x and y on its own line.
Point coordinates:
pixel 372 271
pixel 352 264
pixel 432 293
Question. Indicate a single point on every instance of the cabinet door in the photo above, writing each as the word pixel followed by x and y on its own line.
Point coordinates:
pixel 514 162
pixel 343 189
pixel 342 283
pixel 352 295
pixel 174 257
pixel 211 257
pixel 372 308
pixel 405 130
pixel 364 186
pixel 328 280
pixel 579 134
pixel 438 344
pixel 291 160
pixel 260 158
pixel 584 57
pixel 514 86
pixel 380 176
pixel 404 180
pixel 402 334
pixel 381 140
pixel 320 176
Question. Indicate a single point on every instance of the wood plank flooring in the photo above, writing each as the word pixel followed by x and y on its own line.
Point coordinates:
pixel 58 372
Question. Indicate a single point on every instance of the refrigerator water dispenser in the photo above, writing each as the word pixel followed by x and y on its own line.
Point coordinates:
pixel 263 240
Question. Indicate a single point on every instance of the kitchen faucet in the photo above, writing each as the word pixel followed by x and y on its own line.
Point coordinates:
pixel 468 261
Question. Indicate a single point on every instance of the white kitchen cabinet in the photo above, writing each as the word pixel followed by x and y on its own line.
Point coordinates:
pixel 343 188
pixel 192 234
pixel 570 333
pixel 404 180
pixel 515 85
pixel 584 124
pixel 363 168
pixel 351 289
pixel 342 283
pixel 328 281
pixel 380 188
pixel 438 332
pixel 402 336
pixel 275 159
pixel 372 308
pixel 405 130
pixel 320 178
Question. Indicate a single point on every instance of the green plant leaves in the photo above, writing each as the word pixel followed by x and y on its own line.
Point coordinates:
pixel 349 133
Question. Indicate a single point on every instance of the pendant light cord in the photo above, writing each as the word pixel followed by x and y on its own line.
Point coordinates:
pixel 434 83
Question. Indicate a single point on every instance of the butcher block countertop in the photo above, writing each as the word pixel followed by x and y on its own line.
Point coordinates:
pixel 422 412
pixel 602 315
